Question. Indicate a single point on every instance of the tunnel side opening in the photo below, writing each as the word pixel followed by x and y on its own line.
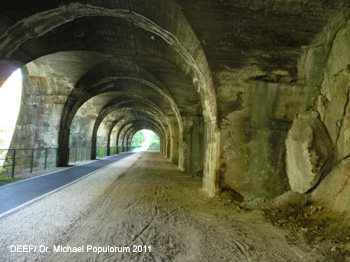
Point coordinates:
pixel 10 101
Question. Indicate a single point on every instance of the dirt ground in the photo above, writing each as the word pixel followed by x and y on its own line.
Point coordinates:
pixel 154 205
pixel 162 214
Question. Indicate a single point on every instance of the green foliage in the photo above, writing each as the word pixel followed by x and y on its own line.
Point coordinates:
pixel 2 142
pixel 102 151
pixel 114 150
pixel 138 139
pixel 154 139
pixel 3 168
pixel 8 179
pixel 152 150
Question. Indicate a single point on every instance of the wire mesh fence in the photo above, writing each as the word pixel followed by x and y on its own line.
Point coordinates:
pixel 113 150
pixel 79 154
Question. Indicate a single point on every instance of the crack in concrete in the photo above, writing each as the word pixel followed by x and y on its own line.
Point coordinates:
pixel 345 157
pixel 343 117
pixel 328 43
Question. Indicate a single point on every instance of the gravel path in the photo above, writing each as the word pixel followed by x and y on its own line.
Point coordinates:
pixel 152 209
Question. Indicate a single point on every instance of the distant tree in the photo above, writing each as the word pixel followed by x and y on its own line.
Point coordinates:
pixel 3 165
pixel 154 139
pixel 1 140
pixel 138 139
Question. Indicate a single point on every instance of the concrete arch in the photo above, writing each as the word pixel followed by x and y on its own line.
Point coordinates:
pixel 88 86
pixel 135 129
pixel 131 131
pixel 130 123
pixel 193 58
pixel 128 126
pixel 118 105
pixel 66 121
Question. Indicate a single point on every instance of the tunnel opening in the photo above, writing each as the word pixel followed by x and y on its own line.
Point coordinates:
pixel 10 101
pixel 145 140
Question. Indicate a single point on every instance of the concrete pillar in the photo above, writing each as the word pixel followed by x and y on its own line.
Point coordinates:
pixel 40 112
pixel 63 150
pixel 193 144
pixel 211 158
pixel 168 147
pixel 164 146
pixel 93 145
pixel 174 141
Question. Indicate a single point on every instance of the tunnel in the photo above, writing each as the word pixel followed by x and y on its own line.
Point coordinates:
pixel 249 99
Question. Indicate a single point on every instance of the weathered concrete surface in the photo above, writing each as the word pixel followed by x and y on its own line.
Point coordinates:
pixel 193 144
pixel 309 152
pixel 335 89
pixel 47 83
pixel 252 139
pixel 334 191
pixel 343 143
pixel 43 98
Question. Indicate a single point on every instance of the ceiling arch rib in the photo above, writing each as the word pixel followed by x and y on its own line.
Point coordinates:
pixel 149 109
pixel 123 130
pixel 120 103
pixel 143 119
pixel 131 131
pixel 145 111
pixel 42 23
pixel 112 78
pixel 121 120
pixel 137 128
pixel 78 96
pixel 66 124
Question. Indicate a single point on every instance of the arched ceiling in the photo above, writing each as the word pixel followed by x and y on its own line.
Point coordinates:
pixel 156 51
pixel 130 48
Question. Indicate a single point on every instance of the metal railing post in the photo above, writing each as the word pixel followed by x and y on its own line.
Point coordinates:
pixel 13 163
pixel 45 159
pixel 31 161
pixel 56 157
pixel 75 156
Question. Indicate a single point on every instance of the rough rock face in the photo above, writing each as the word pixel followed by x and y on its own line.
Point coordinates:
pixel 336 197
pixel 309 152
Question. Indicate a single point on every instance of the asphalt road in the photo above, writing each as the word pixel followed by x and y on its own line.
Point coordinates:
pixel 16 196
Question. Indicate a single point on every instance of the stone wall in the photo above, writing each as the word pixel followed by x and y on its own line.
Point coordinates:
pixel 253 138
pixel 43 98
pixel 280 133
pixel 334 108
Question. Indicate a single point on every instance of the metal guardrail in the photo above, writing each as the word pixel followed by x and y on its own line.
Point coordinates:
pixel 27 159
pixel 15 160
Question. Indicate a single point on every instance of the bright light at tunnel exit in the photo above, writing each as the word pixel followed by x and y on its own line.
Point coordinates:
pixel 148 138
pixel 10 101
